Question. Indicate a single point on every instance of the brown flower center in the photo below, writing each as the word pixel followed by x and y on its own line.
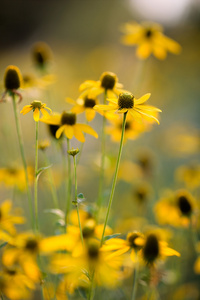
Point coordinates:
pixel 131 237
pixel 89 103
pixel 148 33
pixel 12 78
pixel 31 245
pixel 108 80
pixel 68 118
pixel 151 248
pixel 184 205
pixel 125 100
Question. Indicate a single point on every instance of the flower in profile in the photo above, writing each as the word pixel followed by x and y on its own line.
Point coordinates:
pixel 41 55
pixel 108 83
pixel 67 125
pixel 176 209
pixel 8 219
pixel 149 39
pixel 36 106
pixel 126 102
pixel 12 81
pixel 84 104
pixel 15 177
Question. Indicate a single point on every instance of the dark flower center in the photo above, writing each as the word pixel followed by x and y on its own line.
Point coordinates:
pixel 12 78
pixel 131 240
pixel 125 100
pixel 53 129
pixel 11 272
pixel 184 205
pixel 68 118
pixel 151 248
pixel 108 80
pixel 89 103
pixel 88 229
pixel 148 33
pixel 31 245
pixel 93 251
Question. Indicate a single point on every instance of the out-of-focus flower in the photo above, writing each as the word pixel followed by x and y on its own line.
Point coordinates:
pixel 43 145
pixel 41 54
pixel 189 174
pixel 15 177
pixel 36 106
pixel 67 125
pixel 176 209
pixel 149 39
pixel 108 83
pixel 14 284
pixel 30 81
pixel 84 104
pixel 8 220
pixel 126 102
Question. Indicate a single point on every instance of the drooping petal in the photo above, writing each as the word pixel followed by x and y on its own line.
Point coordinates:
pixel 144 50
pixel 87 129
pixel 166 251
pixel 78 134
pixel 45 113
pixel 26 109
pixel 90 114
pixel 69 131
pixel 60 131
pixel 136 116
pixel 36 114
pixel 148 115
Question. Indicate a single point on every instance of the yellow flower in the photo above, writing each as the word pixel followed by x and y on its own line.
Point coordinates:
pixel 41 54
pixel 36 106
pixel 150 39
pixel 132 129
pixel 30 81
pixel 190 175
pixel 7 220
pixel 15 177
pixel 67 125
pixel 176 209
pixel 126 102
pixel 108 82
pixel 84 104
pixel 42 145
pixel 14 284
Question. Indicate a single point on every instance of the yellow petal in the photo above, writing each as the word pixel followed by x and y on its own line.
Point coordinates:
pixel 142 99
pixel 87 129
pixel 52 120
pixel 78 134
pixel 105 107
pixel 60 131
pixel 36 114
pixel 45 113
pixel 26 109
pixel 144 50
pixel 90 114
pixel 69 131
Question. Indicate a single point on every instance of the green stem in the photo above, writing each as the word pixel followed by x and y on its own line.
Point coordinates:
pixel 36 178
pixel 115 176
pixel 91 291
pixel 75 179
pixel 52 183
pixel 19 134
pixel 101 179
pixel 69 184
pixel 135 275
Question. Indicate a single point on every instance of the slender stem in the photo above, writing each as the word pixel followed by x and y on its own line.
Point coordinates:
pixel 52 183
pixel 135 275
pixel 91 290
pixel 69 184
pixel 115 176
pixel 75 179
pixel 19 134
pixel 101 179
pixel 36 178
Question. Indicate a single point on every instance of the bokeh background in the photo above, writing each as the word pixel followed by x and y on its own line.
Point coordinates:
pixel 84 37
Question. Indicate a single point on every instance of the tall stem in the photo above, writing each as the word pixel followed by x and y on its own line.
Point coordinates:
pixel 69 184
pixel 115 176
pixel 101 179
pixel 36 177
pixel 135 275
pixel 76 203
pixel 19 134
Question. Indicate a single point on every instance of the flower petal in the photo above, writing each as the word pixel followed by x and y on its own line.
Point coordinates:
pixel 45 113
pixel 26 109
pixel 36 114
pixel 142 99
pixel 60 131
pixel 87 129
pixel 69 131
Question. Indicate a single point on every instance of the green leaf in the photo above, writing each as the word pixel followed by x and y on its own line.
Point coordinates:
pixel 112 236
pixel 3 245
pixel 39 171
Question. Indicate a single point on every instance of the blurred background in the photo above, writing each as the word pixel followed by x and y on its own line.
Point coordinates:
pixel 84 38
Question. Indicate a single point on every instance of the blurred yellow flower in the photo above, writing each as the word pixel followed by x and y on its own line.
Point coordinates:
pixel 67 125
pixel 36 106
pixel 149 39
pixel 15 177
pixel 43 145
pixel 126 102
pixel 189 174
pixel 108 83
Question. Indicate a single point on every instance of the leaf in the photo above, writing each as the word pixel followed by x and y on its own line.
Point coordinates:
pixel 39 171
pixel 112 236
pixel 3 245
pixel 57 212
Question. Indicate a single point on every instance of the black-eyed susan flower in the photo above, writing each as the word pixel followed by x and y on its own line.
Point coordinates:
pixel 41 55
pixel 15 177
pixel 9 219
pixel 176 209
pixel 126 102
pixel 108 82
pixel 153 248
pixel 14 284
pixel 149 39
pixel 84 104
pixel 36 106
pixel 67 125
pixel 12 82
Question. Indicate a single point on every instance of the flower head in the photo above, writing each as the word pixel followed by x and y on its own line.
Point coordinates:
pixel 36 106
pixel 126 102
pixel 108 82
pixel 150 39
pixel 67 125
pixel 41 54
